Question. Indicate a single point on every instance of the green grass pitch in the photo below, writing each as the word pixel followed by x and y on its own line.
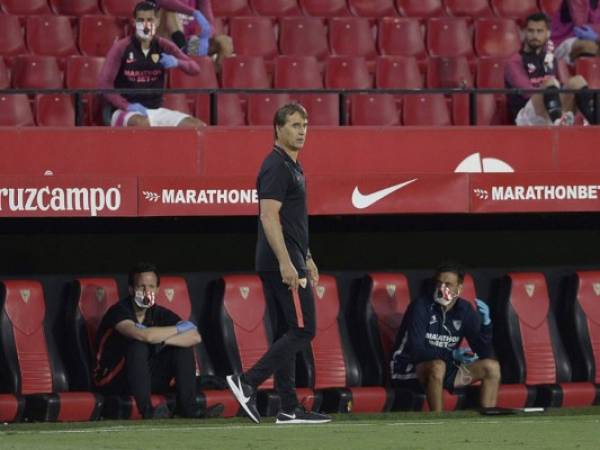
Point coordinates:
pixel 554 429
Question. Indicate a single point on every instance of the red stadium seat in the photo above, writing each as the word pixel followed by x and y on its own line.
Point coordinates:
pixel 529 346
pixel 276 8
pixel 351 36
pixel 425 110
pixel 323 109
pixel 82 73
pixel 36 72
pixel 15 111
pixel 401 36
pixel 420 8
pixel 98 33
pixel 468 8
pixel 174 295
pixel 329 8
pixel 374 109
pixel 514 9
pixel 486 109
pixel 229 110
pixel 246 333
pixel 253 36
pixel 231 8
pixel 4 75
pixel 25 7
pixel 12 40
pixel 398 72
pixel 449 73
pixel 54 110
pixel 549 6
pixel 490 72
pixel 372 8
pixel 497 37
pixel 262 107
pixel 31 362
pixel 51 35
pixel 297 72
pixel 119 8
pixel 589 68
pixel 347 72
pixel 303 36
pixel 177 102
pixel 205 79
pixel 337 374
pixel 75 8
pixel 11 408
pixel 449 36
pixel 244 72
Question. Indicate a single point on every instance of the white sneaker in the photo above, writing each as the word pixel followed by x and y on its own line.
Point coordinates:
pixel 245 395
pixel 566 120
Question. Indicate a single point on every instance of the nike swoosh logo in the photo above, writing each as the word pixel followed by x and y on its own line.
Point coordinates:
pixel 361 201
pixel 289 416
pixel 239 387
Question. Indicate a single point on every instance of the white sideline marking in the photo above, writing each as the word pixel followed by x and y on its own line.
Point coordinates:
pixel 201 428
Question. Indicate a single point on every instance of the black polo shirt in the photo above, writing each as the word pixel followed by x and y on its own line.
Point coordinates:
pixel 282 179
pixel 112 345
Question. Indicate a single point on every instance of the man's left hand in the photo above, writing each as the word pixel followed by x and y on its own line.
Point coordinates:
pixel 586 33
pixel 313 271
pixel 168 61
pixel 484 311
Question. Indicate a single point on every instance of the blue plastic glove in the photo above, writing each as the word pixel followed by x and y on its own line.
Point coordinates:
pixel 141 326
pixel 138 108
pixel 184 325
pixel 586 33
pixel 205 28
pixel 168 61
pixel 203 47
pixel 484 311
pixel 464 355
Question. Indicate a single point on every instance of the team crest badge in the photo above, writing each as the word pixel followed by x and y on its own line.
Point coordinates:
pixel 457 324
pixel 130 58
pixel 391 290
pixel 100 294
pixel 433 320
pixel 244 291
pixel 596 287
pixel 320 291
pixel 530 289
pixel 25 295
pixel 170 294
pixel 155 57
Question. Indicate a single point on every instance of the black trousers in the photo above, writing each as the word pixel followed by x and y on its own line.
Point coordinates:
pixel 296 332
pixel 147 372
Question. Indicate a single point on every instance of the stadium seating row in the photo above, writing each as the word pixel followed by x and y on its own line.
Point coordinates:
pixel 343 371
pixel 92 35
pixel 325 8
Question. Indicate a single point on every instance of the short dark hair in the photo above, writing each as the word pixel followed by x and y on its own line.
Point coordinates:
pixel 281 115
pixel 145 6
pixel 142 267
pixel 450 266
pixel 538 17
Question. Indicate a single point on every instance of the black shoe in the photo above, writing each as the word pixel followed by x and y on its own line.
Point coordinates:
pixel 245 395
pixel 301 415
pixel 200 412
pixel 160 412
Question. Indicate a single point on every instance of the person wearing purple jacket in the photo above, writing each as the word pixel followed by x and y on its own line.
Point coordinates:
pixel 575 29
pixel 191 25
pixel 534 67
pixel 141 62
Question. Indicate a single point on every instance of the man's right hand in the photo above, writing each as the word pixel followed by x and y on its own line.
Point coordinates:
pixel 289 275
pixel 137 108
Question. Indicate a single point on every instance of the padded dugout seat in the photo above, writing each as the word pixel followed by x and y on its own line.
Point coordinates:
pixel 246 333
pixel 380 307
pixel 98 33
pixel 11 407
pixel 329 8
pixel 337 374
pixel 36 72
pixel 32 365
pixel 529 346
pixel 351 36
pixel 50 35
pixel 297 72
pixel 174 295
pixel 54 110
pixel 253 36
pixel 303 36
pixel 262 107
pixel 89 299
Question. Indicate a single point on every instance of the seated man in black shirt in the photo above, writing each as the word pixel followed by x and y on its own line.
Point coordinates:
pixel 143 346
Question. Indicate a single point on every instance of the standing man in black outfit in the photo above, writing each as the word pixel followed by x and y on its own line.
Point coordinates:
pixel 286 267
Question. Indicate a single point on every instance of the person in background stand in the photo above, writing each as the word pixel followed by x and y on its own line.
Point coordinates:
pixel 575 28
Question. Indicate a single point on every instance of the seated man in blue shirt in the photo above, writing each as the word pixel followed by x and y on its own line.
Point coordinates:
pixel 428 342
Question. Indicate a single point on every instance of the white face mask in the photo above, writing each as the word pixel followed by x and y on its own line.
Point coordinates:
pixel 443 295
pixel 144 301
pixel 145 31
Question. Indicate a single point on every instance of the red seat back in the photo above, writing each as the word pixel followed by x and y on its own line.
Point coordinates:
pixel 297 72
pixel 420 8
pixel 468 8
pixel 303 36
pixel 374 110
pixel 347 72
pixel 245 72
pixel 402 36
pixel 372 8
pixel 97 34
pixel 177 102
pixel 323 109
pixel 330 8
pixel 276 8
pixel 253 36
pixel 514 9
pixel 4 75
pixel 36 72
pixel 425 110
pixel 398 72
pixel 120 8
pixel 449 72
pixel 487 112
pixel 75 8
pixel 490 72
pixel 15 111
pixel 589 68
pixel 51 35
pixel 205 79
pixel 54 110
pixel 230 8
pixel 229 109
pixel 351 36
pixel 25 8
pixel 262 107
pixel 12 40
pixel 497 37
pixel 449 36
